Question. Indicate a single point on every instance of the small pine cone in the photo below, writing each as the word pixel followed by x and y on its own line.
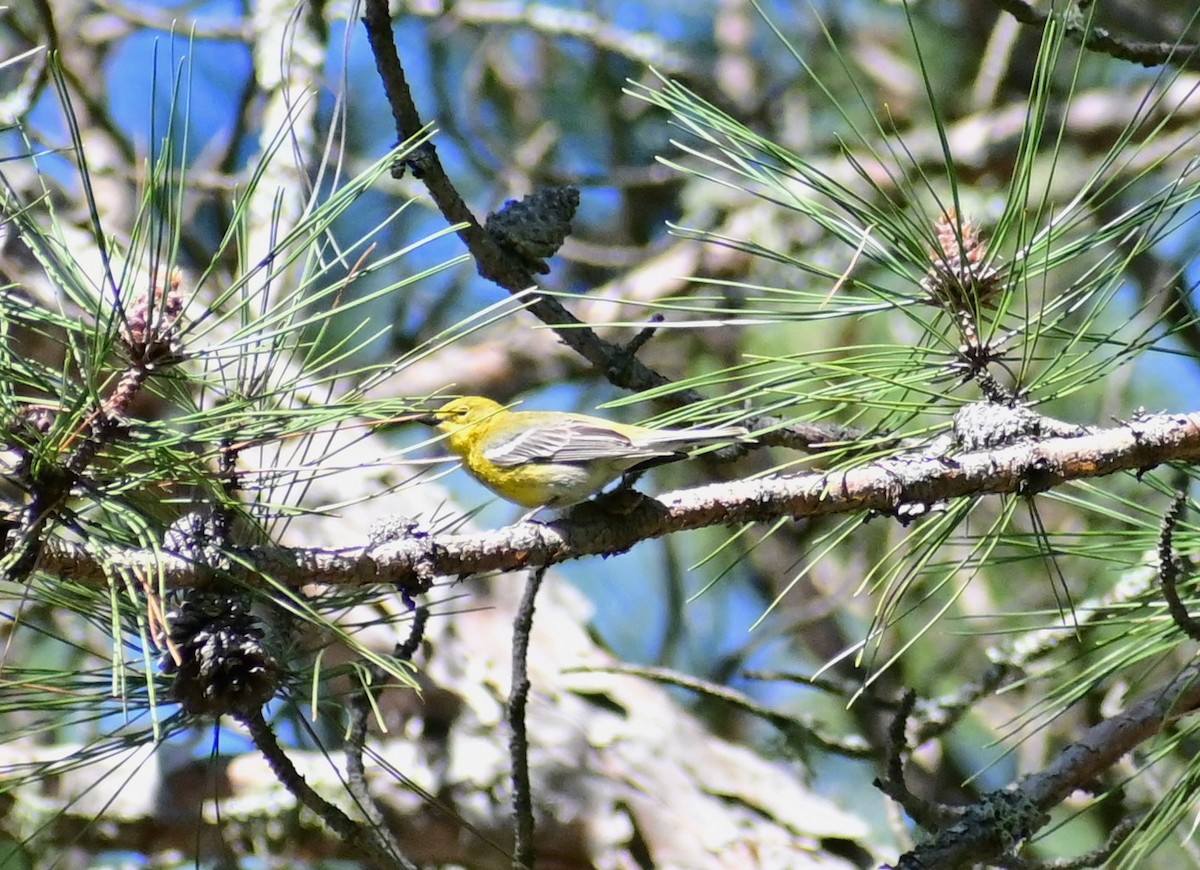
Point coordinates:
pixel 116 406
pixel 959 281
pixel 224 665
pixel 202 536
pixel 152 321
pixel 535 228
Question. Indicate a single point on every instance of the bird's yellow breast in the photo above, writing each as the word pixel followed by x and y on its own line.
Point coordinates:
pixel 541 484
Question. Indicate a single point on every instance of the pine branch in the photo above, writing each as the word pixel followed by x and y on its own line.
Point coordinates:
pixel 490 259
pixel 620 367
pixel 888 487
pixel 978 837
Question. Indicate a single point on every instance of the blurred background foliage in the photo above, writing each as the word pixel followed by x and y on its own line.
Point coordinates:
pixel 524 95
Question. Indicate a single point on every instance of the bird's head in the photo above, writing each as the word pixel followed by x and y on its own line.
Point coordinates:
pixel 459 414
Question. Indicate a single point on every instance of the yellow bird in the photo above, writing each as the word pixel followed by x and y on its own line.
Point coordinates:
pixel 542 459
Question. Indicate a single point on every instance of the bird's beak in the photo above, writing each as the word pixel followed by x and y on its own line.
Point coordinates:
pixel 429 419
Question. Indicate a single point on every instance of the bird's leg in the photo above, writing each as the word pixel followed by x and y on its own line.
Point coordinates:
pixel 629 479
pixel 528 516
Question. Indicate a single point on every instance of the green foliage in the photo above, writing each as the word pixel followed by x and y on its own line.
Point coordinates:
pixel 149 408
pixel 1046 314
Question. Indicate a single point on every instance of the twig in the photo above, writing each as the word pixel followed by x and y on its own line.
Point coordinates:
pixel 356 738
pixel 352 833
pixel 797 732
pixel 932 718
pixel 1181 55
pixel 928 815
pixel 1171 569
pixel 518 742
pixel 491 261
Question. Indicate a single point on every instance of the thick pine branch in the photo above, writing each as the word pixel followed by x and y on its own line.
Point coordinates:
pixel 606 528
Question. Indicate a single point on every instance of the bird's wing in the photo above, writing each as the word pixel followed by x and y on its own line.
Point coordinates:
pixel 567 441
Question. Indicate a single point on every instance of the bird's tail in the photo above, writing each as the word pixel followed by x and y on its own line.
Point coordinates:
pixel 681 439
